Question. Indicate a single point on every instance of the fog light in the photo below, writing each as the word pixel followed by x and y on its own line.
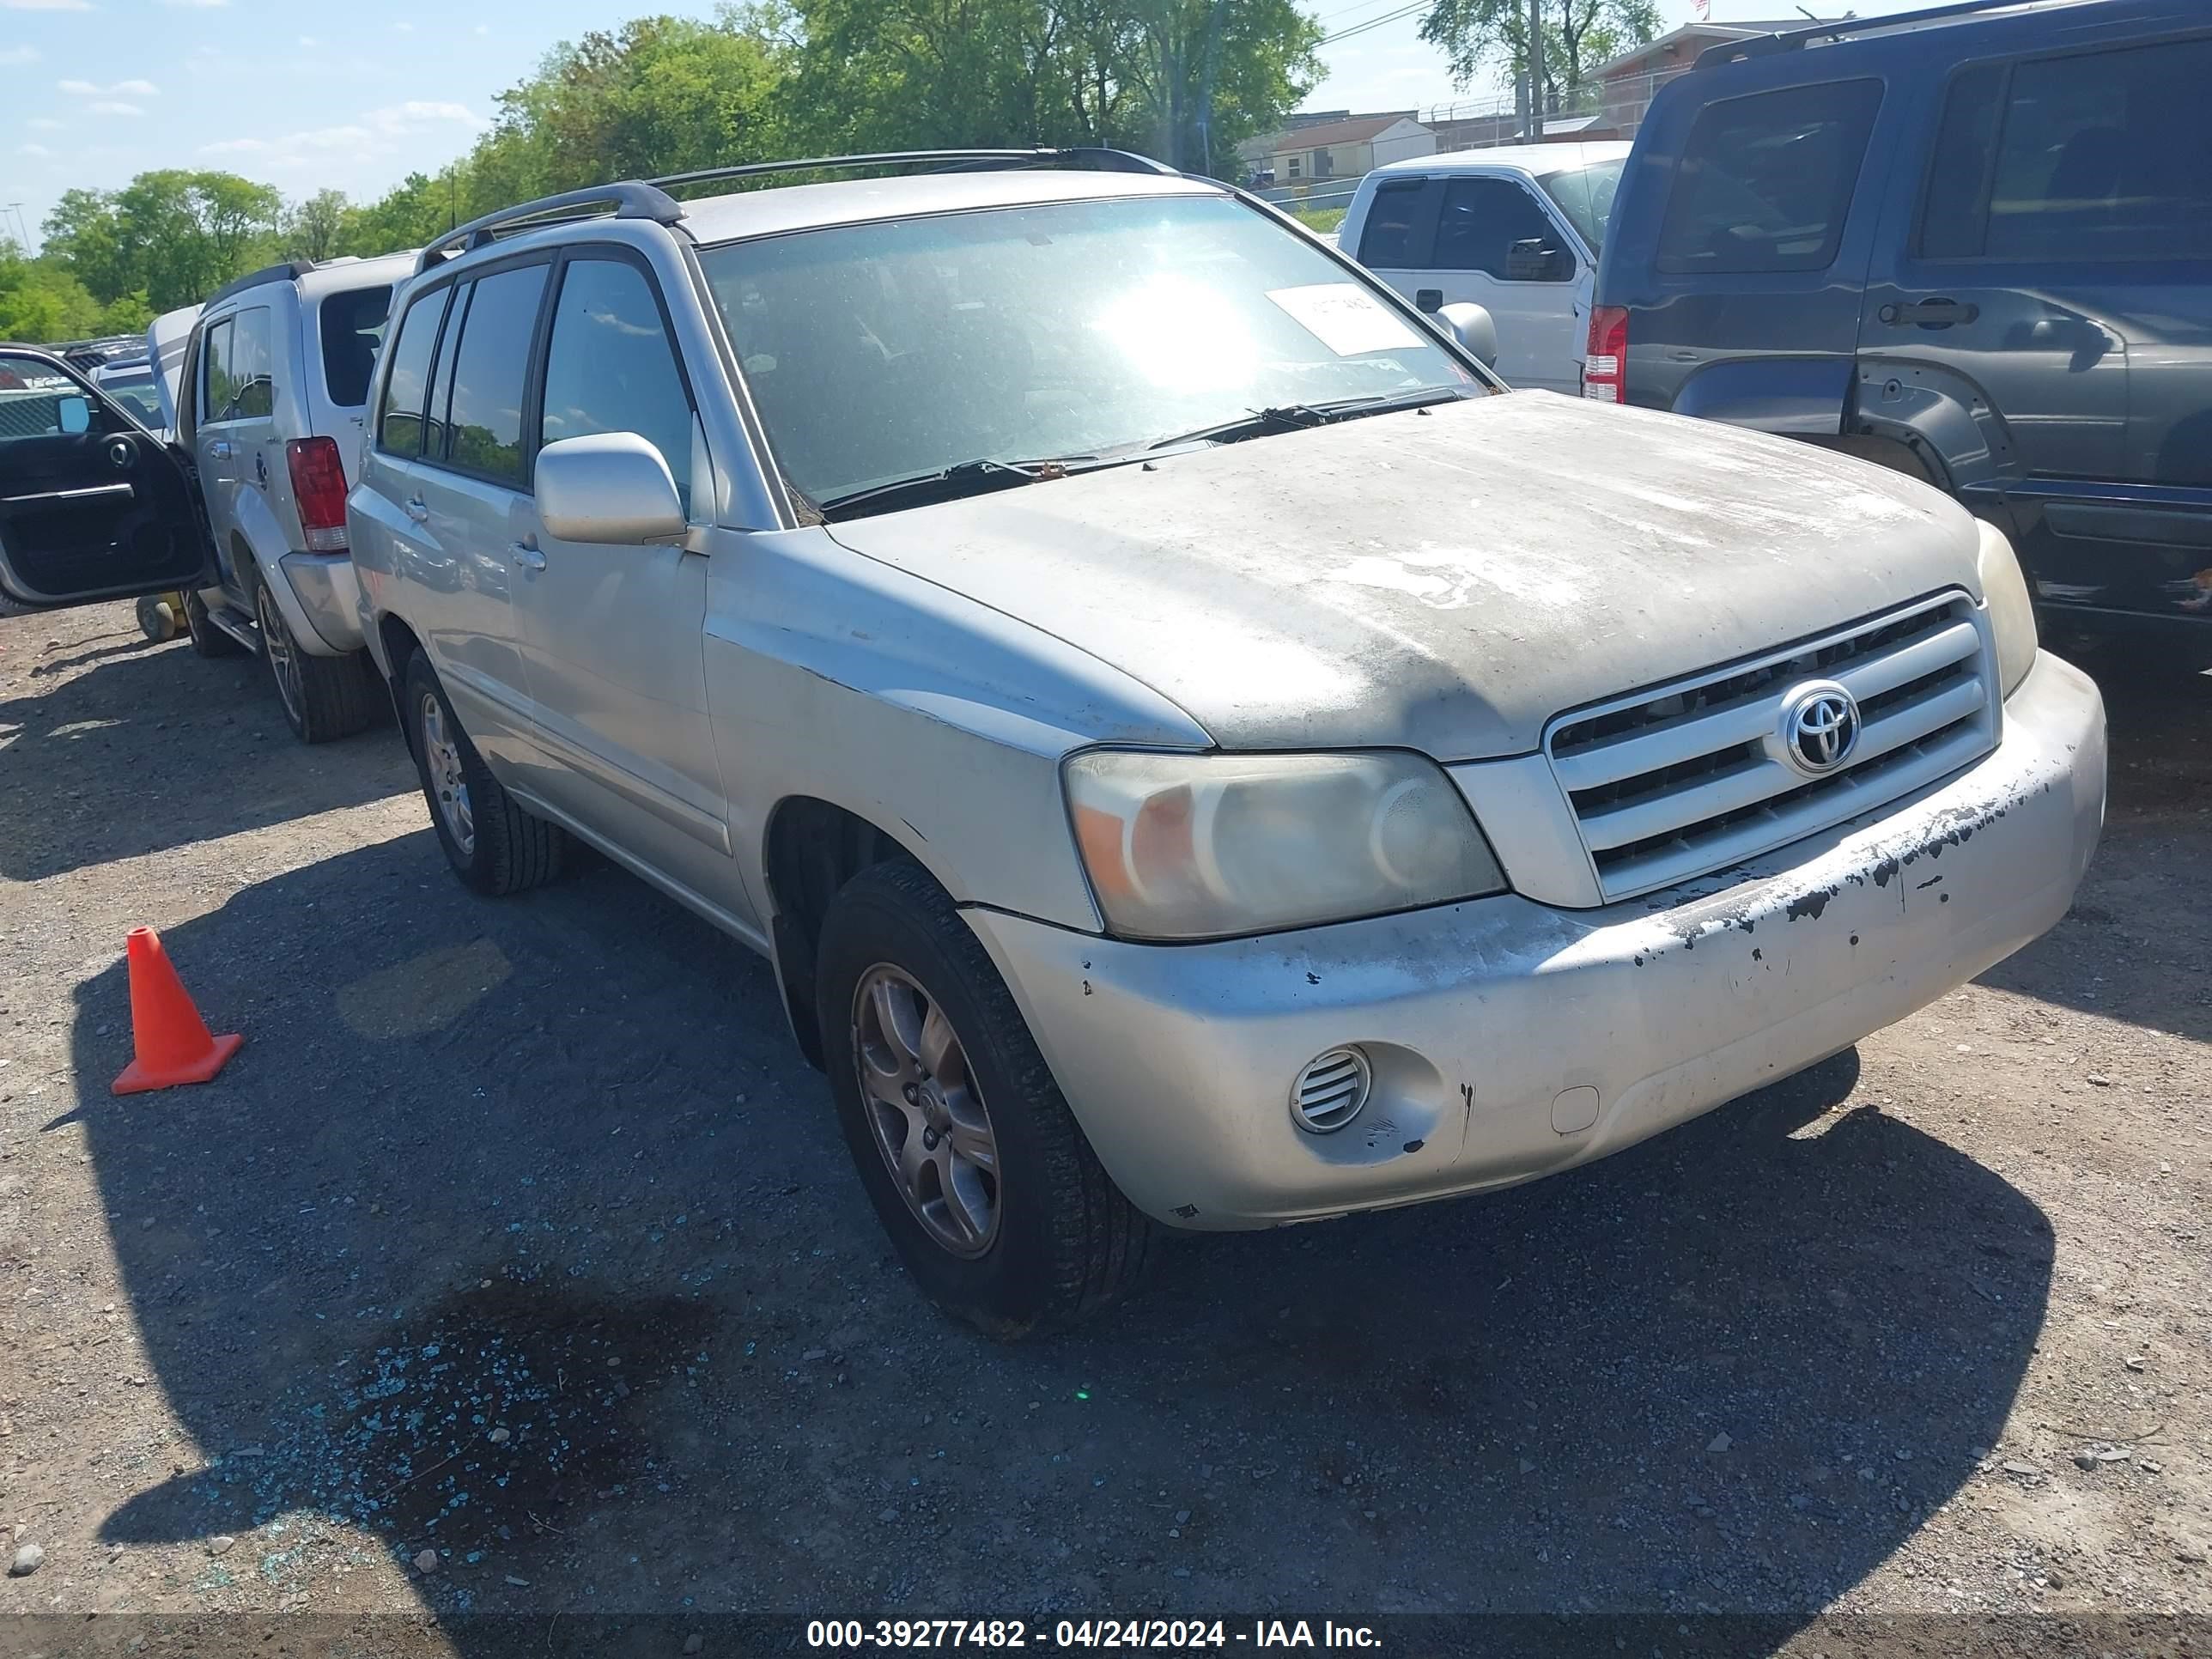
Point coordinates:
pixel 1329 1089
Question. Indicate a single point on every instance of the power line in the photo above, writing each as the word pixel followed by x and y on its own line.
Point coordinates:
pixel 1373 23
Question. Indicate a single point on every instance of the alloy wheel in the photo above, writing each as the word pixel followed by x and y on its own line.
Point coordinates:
pixel 284 655
pixel 926 1110
pixel 449 784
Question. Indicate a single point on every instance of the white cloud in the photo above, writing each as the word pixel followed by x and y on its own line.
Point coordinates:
pixel 19 55
pixel 309 41
pixel 110 106
pixel 404 27
pixel 128 89
pixel 45 5
pixel 234 147
pixel 483 28
pixel 416 114
pixel 32 150
pixel 196 2
pixel 43 124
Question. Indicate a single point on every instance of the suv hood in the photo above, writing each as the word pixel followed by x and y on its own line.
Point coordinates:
pixel 1446 580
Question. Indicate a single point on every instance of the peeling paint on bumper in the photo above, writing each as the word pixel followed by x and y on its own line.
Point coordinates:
pixel 1477 1018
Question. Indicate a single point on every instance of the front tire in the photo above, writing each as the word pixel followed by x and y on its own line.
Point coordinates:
pixel 324 698
pixel 975 1164
pixel 492 845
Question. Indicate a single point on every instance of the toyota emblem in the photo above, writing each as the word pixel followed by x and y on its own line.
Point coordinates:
pixel 1820 728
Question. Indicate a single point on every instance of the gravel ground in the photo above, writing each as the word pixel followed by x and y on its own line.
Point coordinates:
pixel 518 1243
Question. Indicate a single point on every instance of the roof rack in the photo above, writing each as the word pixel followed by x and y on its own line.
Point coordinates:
pixel 628 199
pixel 1761 46
pixel 649 198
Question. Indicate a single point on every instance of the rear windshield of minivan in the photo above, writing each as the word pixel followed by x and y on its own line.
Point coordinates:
pixel 1585 196
pixel 353 329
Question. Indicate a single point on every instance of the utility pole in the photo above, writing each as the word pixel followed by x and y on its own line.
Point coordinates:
pixel 1536 71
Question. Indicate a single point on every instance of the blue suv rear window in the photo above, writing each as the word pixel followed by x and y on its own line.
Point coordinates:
pixel 1764 183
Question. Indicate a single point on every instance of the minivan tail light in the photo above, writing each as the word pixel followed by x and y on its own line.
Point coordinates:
pixel 319 489
pixel 1605 358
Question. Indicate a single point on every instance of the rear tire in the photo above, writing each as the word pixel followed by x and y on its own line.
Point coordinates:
pixel 208 640
pixel 324 698
pixel 1060 1242
pixel 494 846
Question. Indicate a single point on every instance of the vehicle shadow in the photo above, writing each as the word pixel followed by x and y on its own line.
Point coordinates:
pixel 516 1232
pixel 114 762
pixel 2156 846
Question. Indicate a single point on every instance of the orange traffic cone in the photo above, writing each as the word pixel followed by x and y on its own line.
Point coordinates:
pixel 172 1039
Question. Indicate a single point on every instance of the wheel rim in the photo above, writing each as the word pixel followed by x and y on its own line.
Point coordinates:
pixel 926 1110
pixel 276 644
pixel 449 785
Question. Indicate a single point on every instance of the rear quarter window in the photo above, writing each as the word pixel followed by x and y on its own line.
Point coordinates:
pixel 1765 181
pixel 352 326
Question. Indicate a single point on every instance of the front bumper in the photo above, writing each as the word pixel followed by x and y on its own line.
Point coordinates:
pixel 1510 1039
pixel 328 601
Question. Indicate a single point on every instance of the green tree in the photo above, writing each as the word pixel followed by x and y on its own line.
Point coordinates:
pixel 173 237
pixel 40 302
pixel 311 227
pixel 1578 36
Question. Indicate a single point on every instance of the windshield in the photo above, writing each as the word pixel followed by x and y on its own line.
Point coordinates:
pixel 136 393
pixel 1585 196
pixel 881 351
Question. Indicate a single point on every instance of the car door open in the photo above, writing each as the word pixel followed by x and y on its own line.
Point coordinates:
pixel 92 507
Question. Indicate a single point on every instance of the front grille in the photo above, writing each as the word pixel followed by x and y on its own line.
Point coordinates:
pixel 1671 784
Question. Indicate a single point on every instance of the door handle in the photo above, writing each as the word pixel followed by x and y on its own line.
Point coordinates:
pixel 526 555
pixel 418 509
pixel 1931 313
pixel 220 449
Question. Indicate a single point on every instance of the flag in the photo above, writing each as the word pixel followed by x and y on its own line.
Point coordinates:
pixel 1703 6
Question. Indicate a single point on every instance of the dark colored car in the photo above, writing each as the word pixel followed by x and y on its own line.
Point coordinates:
pixel 1974 244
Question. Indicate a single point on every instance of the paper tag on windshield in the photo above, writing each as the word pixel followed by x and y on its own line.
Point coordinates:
pixel 1345 317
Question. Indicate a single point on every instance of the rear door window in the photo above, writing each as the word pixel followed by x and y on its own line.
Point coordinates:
pixel 1482 219
pixel 1400 226
pixel 1766 182
pixel 2097 155
pixel 399 416
pixel 352 326
pixel 252 367
pixel 491 375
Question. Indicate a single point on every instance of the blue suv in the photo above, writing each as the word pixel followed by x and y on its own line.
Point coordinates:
pixel 1972 243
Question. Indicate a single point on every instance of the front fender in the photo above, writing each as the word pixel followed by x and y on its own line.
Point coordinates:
pixel 940 721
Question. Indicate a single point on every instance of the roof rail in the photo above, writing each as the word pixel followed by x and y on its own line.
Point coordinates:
pixel 290 271
pixel 1761 46
pixel 943 161
pixel 626 200
pixel 649 199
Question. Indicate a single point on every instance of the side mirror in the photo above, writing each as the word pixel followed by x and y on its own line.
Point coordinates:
pixel 1472 327
pixel 1533 259
pixel 73 413
pixel 612 488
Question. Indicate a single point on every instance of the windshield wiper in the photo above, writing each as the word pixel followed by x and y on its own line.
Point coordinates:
pixel 975 478
pixel 1291 418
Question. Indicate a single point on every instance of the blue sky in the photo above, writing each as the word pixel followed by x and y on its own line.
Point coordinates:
pixel 305 96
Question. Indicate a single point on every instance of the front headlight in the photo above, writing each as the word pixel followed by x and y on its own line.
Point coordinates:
pixel 2012 613
pixel 1204 845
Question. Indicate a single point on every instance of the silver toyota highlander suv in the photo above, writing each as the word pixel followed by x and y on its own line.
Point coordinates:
pixel 1200 753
